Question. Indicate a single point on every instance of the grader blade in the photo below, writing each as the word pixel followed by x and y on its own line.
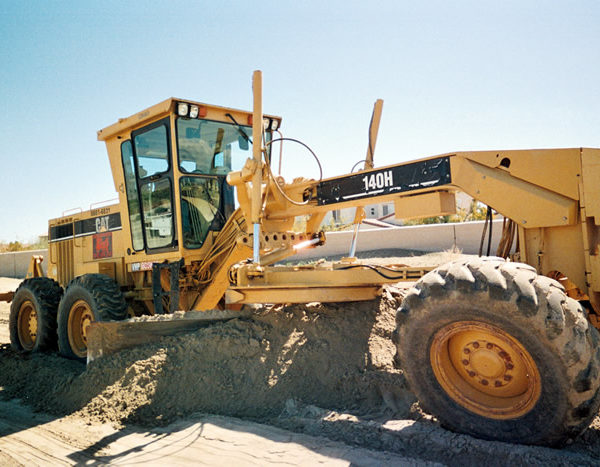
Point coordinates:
pixel 106 338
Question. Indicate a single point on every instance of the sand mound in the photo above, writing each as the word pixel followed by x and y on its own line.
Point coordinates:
pixel 338 356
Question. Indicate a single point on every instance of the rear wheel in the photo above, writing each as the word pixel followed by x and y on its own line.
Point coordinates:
pixel 32 321
pixel 88 298
pixel 496 351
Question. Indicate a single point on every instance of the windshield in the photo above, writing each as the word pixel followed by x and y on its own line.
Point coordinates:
pixel 216 148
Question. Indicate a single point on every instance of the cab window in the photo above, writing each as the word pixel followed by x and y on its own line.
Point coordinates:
pixel 133 201
pixel 200 208
pixel 158 213
pixel 152 151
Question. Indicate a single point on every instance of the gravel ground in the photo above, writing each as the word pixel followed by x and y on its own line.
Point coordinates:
pixel 325 371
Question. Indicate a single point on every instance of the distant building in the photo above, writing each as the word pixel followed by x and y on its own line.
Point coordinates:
pixel 384 212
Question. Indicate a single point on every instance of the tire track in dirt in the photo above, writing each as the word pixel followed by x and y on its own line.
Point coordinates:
pixel 34 439
pixel 277 367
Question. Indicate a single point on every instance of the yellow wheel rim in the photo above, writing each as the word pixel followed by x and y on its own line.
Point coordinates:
pixel 485 370
pixel 80 317
pixel 27 325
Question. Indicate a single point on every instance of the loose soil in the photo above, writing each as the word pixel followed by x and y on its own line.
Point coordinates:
pixel 325 370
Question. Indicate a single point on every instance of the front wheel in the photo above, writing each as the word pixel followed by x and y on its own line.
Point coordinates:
pixel 88 298
pixel 496 351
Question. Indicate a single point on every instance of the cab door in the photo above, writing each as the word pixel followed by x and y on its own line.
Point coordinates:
pixel 149 184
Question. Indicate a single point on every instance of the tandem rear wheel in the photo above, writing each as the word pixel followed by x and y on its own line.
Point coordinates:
pixel 496 351
pixel 88 298
pixel 32 320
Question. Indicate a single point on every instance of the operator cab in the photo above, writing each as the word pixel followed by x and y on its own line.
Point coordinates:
pixel 174 169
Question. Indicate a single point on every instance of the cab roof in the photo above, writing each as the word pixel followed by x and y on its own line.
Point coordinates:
pixel 166 107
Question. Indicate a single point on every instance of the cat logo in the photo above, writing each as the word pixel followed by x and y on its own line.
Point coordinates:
pixel 102 224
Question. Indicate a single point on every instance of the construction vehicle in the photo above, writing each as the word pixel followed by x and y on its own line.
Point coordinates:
pixel 502 348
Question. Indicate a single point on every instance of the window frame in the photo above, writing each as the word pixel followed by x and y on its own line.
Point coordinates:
pixel 142 181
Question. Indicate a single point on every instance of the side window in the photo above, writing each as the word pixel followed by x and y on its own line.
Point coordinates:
pixel 133 202
pixel 158 213
pixel 152 151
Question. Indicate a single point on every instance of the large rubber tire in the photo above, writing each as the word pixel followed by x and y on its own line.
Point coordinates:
pixel 495 351
pixel 32 321
pixel 88 298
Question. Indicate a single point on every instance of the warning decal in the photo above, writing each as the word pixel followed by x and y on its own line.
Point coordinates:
pixel 103 245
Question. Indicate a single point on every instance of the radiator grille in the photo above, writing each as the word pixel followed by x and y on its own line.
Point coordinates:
pixel 64 261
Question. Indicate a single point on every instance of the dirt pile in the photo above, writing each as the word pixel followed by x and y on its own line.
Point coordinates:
pixel 324 370
pixel 338 356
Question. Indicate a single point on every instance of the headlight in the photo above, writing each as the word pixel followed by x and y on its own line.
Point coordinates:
pixel 193 111
pixel 274 125
pixel 182 109
pixel 266 123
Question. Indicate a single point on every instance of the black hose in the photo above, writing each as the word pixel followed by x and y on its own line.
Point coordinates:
pixel 485 225
pixel 375 269
pixel 302 144
pixel 489 216
pixel 354 166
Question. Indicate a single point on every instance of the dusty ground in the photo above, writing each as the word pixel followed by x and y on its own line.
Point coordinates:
pixel 307 384
pixel 5 286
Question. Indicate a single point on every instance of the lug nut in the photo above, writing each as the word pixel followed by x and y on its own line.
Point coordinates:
pixel 467 351
pixel 497 383
pixel 507 377
pixel 471 374
pixel 476 345
pixel 489 346
pixel 484 382
pixel 465 362
pixel 509 366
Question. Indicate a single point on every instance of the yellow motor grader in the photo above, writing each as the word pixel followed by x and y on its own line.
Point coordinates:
pixel 501 347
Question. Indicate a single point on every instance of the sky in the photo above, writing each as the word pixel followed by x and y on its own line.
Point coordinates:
pixel 454 75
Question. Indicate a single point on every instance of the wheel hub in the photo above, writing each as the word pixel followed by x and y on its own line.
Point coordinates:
pixel 80 318
pixel 487 363
pixel 27 325
pixel 84 323
pixel 32 324
pixel 485 370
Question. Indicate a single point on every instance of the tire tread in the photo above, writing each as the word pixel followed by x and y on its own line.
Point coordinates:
pixel 557 319
pixel 104 297
pixel 46 294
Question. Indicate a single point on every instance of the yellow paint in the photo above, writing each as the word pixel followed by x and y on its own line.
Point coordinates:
pixel 485 370
pixel 543 191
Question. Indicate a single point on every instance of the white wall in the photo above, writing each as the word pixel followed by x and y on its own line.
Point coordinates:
pixel 16 264
pixel 434 237
pixel 465 236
